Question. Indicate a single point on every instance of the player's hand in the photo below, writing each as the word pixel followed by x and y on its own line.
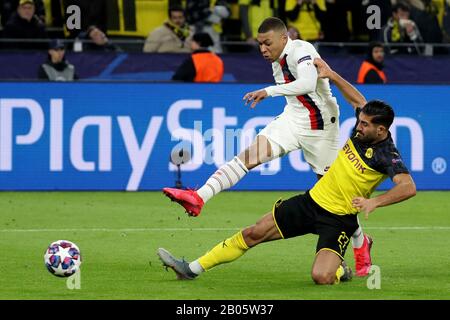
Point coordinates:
pixel 323 69
pixel 364 205
pixel 254 97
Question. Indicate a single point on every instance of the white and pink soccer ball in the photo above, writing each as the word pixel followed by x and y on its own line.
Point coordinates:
pixel 62 258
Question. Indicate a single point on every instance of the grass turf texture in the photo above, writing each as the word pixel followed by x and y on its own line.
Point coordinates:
pixel 118 234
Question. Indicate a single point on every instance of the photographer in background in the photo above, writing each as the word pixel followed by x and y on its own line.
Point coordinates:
pixel 425 15
pixel 401 29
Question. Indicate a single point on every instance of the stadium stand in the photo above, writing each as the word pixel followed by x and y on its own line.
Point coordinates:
pixel 129 22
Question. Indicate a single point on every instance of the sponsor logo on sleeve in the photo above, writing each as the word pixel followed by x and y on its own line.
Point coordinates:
pixel 305 58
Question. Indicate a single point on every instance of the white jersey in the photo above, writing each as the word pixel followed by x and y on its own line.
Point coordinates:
pixel 309 98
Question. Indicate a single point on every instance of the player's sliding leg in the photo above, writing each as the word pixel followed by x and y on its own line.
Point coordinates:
pixel 226 176
pixel 362 244
pixel 329 268
pixel 226 251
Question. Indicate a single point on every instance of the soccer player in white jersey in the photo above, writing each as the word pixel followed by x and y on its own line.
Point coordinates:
pixel 310 122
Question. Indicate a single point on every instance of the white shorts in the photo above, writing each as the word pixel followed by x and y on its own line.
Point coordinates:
pixel 320 147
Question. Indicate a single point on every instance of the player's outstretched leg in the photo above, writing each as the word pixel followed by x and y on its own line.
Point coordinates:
pixel 224 178
pixel 226 251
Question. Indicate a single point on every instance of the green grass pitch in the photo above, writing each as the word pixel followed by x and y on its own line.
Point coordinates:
pixel 119 233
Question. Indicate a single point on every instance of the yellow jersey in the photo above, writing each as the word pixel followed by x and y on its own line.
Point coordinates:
pixel 356 172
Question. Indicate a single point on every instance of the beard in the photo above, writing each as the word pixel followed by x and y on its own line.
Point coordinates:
pixel 364 139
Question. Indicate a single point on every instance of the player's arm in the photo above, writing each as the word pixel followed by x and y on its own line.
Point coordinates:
pixel 404 189
pixel 305 83
pixel 350 93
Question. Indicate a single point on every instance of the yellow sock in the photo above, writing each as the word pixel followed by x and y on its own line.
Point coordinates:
pixel 339 273
pixel 226 251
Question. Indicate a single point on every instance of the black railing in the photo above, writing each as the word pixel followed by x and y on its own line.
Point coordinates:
pixel 136 45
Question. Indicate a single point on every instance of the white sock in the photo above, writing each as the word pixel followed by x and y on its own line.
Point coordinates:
pixel 224 178
pixel 358 238
pixel 196 267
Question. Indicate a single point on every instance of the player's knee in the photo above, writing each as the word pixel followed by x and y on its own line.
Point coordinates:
pixel 259 152
pixel 248 161
pixel 264 151
pixel 253 235
pixel 323 277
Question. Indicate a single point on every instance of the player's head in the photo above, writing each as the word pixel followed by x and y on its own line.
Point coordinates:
pixel 272 38
pixel 375 119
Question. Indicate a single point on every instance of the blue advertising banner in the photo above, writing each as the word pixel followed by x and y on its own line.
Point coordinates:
pixel 120 136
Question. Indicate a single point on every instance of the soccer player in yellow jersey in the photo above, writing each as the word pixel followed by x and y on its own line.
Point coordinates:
pixel 330 208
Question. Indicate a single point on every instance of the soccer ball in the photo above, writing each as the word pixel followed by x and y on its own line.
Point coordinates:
pixel 62 258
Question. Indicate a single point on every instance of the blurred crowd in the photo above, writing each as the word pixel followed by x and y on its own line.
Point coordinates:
pixel 205 28
pixel 405 22
pixel 230 22
pixel 25 24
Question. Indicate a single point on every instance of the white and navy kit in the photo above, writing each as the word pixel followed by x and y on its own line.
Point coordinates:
pixel 310 120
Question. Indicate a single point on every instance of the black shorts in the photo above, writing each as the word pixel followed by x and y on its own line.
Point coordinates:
pixel 301 215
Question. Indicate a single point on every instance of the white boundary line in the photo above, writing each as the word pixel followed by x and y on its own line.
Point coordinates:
pixel 428 228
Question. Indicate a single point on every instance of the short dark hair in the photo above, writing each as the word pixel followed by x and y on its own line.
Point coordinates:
pixel 272 23
pixel 376 44
pixel 203 39
pixel 400 5
pixel 381 112
pixel 176 8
